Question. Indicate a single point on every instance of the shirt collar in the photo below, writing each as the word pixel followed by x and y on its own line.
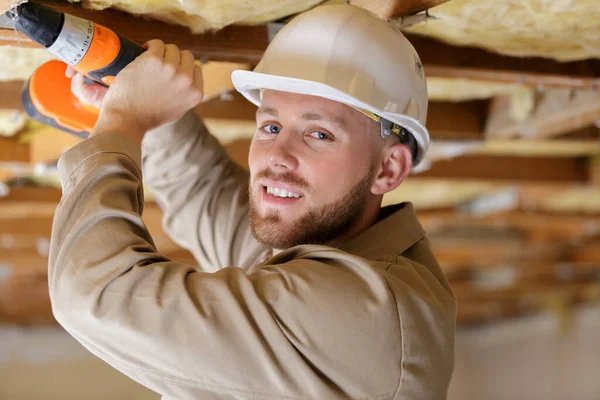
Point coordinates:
pixel 396 230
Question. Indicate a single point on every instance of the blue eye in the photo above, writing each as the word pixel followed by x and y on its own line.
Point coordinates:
pixel 321 135
pixel 271 129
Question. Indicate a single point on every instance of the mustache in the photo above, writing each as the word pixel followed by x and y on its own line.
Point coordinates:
pixel 285 177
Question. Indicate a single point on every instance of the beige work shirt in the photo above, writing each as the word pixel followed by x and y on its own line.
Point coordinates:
pixel 372 319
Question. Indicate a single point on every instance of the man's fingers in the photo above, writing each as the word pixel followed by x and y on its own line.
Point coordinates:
pixel 92 94
pixel 187 63
pixel 172 55
pixel 198 80
pixel 156 47
pixel 70 72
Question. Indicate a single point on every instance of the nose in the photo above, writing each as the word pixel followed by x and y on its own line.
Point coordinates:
pixel 280 155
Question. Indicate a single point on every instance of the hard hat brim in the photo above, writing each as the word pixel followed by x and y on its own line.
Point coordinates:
pixel 249 84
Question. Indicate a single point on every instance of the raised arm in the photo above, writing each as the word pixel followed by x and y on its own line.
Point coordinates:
pixel 202 192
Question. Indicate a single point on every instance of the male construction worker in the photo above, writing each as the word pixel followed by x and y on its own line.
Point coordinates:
pixel 307 288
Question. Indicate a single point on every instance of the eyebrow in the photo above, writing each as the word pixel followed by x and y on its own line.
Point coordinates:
pixel 268 111
pixel 316 116
pixel 308 116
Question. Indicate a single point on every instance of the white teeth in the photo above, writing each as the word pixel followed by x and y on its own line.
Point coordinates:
pixel 281 192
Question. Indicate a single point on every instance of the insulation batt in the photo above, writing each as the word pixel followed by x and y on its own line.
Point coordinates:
pixel 205 15
pixel 18 63
pixel 565 30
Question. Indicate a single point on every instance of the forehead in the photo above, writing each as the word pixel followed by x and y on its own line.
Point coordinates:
pixel 293 104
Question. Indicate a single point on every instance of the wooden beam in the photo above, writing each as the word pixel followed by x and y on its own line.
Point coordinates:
pixel 442 60
pixel 539 226
pixel 11 94
pixel 452 252
pixel 11 150
pixel 232 106
pixel 507 168
pixel 47 144
pixel 457 120
pixel 594 170
pixel 557 111
pixel 396 8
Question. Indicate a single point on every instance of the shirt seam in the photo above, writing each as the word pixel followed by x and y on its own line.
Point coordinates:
pixel 402 341
pixel 214 387
pixel 68 178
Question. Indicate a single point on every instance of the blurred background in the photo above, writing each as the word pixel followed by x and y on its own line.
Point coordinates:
pixel 509 193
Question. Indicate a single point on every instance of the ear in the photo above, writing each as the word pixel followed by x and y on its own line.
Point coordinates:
pixel 395 166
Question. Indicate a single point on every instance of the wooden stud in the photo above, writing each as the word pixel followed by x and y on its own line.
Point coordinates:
pixel 396 8
pixel 442 60
pixel 557 111
pixel 11 150
pixel 11 95
pixel 507 168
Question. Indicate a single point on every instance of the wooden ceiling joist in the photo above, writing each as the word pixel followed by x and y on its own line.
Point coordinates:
pixel 537 226
pixel 442 60
pixel 11 150
pixel 247 44
pixel 507 168
pixel 396 8
pixel 11 94
pixel 556 112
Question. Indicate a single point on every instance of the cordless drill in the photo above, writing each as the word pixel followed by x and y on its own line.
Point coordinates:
pixel 91 49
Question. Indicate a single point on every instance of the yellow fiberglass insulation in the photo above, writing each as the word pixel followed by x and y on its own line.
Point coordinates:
pixel 204 15
pixel 565 30
pixel 18 63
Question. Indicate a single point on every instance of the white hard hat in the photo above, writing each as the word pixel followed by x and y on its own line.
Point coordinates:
pixel 346 54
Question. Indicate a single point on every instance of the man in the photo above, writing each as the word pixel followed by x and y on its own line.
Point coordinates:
pixel 308 289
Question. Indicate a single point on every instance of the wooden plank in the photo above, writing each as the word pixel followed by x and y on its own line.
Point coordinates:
pixel 594 170
pixel 539 226
pixel 28 194
pixel 232 106
pixel 11 94
pixel 557 111
pixel 11 150
pixel 507 168
pixel 442 60
pixel 47 144
pixel 457 120
pixel 396 8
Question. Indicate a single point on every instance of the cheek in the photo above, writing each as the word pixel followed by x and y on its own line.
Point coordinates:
pixel 332 177
pixel 255 157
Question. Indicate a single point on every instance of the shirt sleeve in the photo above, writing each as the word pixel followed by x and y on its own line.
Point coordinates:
pixel 203 194
pixel 178 331
pixel 189 334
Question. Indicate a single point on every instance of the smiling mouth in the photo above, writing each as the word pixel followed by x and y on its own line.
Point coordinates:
pixel 277 192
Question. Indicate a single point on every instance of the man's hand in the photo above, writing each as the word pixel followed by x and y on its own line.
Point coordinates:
pixel 91 94
pixel 158 87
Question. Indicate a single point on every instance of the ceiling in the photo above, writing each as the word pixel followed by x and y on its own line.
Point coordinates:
pixel 510 191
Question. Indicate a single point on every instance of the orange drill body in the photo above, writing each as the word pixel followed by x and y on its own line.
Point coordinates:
pixel 91 49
